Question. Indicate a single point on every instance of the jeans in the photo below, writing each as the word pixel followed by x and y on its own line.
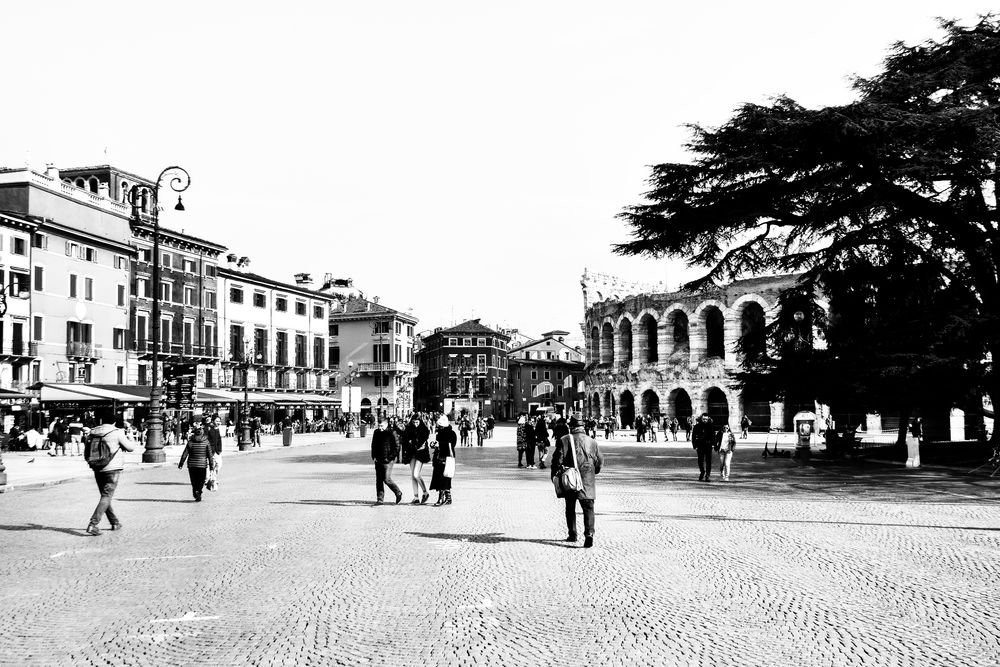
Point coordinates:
pixel 588 515
pixel 383 475
pixel 705 461
pixel 197 476
pixel 529 454
pixel 107 482
pixel 725 459
pixel 416 467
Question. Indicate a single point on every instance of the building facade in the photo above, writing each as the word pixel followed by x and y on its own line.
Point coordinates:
pixel 372 347
pixel 464 368
pixel 19 363
pixel 545 373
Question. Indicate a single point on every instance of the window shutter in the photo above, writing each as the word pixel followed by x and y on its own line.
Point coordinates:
pixel 95 255
pixel 45 242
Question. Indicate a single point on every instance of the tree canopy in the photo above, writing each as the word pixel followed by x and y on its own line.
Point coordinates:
pixel 909 169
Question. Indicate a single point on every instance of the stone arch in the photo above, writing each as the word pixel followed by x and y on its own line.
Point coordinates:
pixel 757 407
pixel 626 408
pixel 646 338
pixel 366 407
pixel 595 405
pixel 679 405
pixel 753 322
pixel 123 186
pixel 623 349
pixel 92 184
pixel 650 404
pixel 595 344
pixel 608 403
pixel 716 404
pixel 678 335
pixel 713 323
pixel 607 344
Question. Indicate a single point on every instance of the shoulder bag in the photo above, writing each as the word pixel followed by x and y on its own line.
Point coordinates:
pixel 449 463
pixel 568 480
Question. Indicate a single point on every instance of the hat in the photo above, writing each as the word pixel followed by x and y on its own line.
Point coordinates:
pixel 573 421
pixel 443 421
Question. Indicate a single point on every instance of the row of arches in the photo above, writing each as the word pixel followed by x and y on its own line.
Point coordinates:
pixel 670 338
pixel 678 404
pixel 124 191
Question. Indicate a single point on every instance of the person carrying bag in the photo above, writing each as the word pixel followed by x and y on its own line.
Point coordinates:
pixel 577 483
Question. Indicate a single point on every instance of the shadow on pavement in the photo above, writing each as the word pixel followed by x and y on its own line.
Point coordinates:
pixel 162 483
pixel 491 538
pixel 335 503
pixel 153 500
pixel 35 526
pixel 719 517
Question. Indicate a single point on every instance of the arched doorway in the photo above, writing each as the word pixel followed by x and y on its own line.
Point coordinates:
pixel 715 333
pixel 752 334
pixel 717 407
pixel 648 353
pixel 366 408
pixel 595 345
pixel 383 406
pixel 624 352
pixel 595 405
pixel 679 406
pixel 650 404
pixel 627 409
pixel 677 330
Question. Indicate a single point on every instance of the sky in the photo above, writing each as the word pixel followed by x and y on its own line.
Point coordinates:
pixel 457 159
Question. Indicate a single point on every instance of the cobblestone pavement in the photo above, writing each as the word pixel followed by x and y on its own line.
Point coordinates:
pixel 288 564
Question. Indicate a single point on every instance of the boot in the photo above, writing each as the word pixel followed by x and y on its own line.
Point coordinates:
pixel 447 497
pixel 440 500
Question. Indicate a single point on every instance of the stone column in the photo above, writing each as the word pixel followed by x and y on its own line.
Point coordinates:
pixel 873 423
pixel 697 341
pixel 778 415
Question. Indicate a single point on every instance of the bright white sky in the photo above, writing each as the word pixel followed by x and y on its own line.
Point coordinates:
pixel 458 158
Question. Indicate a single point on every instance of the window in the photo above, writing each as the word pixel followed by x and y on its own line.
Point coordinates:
pixel 409 330
pixel 318 312
pixel 534 389
pixel 39 279
pixel 380 353
pixel 259 300
pixel 19 246
pixel 190 296
pixel 398 353
pixel 210 270
pixel 467 342
pixel 165 260
pixel 334 355
pixel 209 377
pixel 121 262
pixel 319 352
pixel 166 291
pixel 141 327
pixel 452 342
pixel 121 295
pixel 545 375
pixel 37 328
pixel 559 376
pixel 235 295
pixel 480 342
pixel 399 328
pixel 559 390
pixel 145 255
pixel 281 303
pixel 143 374
pixel 534 375
pixel 300 350
pixel 120 374
pixel 190 266
pixel 210 301
pixel 300 307
pixel 409 355
pixel 73 285
pixel 118 339
pixel 90 255
pixel 334 329
pixel 40 241
pixel 142 288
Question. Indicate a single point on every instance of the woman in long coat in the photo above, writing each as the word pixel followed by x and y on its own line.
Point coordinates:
pixel 416 452
pixel 541 441
pixel 446 441
pixel 522 439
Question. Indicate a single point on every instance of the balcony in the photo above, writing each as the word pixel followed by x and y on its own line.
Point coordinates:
pixel 84 351
pixel 18 351
pixel 194 353
pixel 385 367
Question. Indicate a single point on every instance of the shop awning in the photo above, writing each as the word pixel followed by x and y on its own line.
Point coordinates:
pixel 92 393
pixel 217 396
pixel 317 400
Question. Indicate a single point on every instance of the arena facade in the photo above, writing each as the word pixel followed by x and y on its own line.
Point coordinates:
pixel 673 354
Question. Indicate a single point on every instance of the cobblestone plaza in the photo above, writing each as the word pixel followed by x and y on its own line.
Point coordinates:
pixel 288 564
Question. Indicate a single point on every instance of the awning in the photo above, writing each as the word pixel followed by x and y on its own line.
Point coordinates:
pixel 217 396
pixel 317 400
pixel 92 393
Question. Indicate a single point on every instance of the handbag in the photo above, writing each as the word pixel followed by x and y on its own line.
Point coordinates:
pixel 449 467
pixel 568 480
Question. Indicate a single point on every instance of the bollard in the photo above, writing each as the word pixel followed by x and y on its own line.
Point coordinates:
pixel 912 451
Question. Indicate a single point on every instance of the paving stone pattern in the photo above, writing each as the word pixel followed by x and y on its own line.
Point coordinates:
pixel 288 564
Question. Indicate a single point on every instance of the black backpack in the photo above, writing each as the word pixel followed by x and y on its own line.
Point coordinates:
pixel 96 451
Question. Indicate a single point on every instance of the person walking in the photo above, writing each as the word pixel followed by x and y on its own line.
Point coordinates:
pixel 384 449
pixel 480 431
pixel 522 438
pixel 446 440
pixel 559 429
pixel 727 445
pixel 703 442
pixel 114 439
pixel 75 431
pixel 688 426
pixel 530 431
pixel 57 437
pixel 215 439
pixel 579 450
pixel 745 424
pixel 200 459
pixel 491 422
pixel 653 423
pixel 416 453
pixel 541 441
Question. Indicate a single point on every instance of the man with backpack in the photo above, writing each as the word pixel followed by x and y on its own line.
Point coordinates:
pixel 103 453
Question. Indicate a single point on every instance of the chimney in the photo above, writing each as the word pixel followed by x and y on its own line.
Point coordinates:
pixel 243 263
pixel 103 191
pixel 231 260
pixel 52 171
pixel 303 279
pixel 560 339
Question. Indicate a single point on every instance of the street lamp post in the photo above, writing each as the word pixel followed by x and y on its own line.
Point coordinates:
pixel 349 379
pixel 249 355
pixel 381 336
pixel 178 179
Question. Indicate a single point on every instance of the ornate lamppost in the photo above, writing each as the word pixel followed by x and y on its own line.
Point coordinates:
pixel 352 375
pixel 250 354
pixel 178 179
pixel 380 336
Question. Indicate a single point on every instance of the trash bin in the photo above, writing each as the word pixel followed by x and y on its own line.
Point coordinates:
pixel 286 436
pixel 362 429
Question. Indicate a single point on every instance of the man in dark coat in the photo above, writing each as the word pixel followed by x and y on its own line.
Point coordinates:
pixel 588 460
pixel 703 441
pixel 384 450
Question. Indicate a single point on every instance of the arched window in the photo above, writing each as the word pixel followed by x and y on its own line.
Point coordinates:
pixel 92 185
pixel 595 344
pixel 80 183
pixel 124 191
pixel 677 328
pixel 624 352
pixel 607 344
pixel 650 404
pixel 715 336
pixel 648 340
pixel 752 339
